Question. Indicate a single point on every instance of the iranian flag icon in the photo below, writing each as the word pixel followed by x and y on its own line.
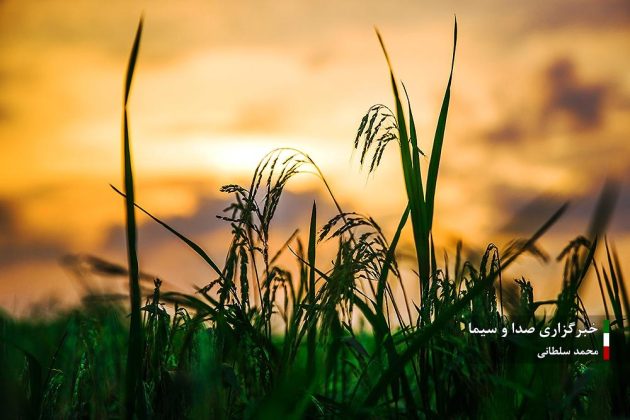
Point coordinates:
pixel 606 339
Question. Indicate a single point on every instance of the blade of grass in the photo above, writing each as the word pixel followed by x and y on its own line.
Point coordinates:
pixel 187 241
pixel 311 292
pixel 389 258
pixel 622 284
pixel 136 339
pixel 601 291
pixel 413 183
pixel 616 298
pixel 438 141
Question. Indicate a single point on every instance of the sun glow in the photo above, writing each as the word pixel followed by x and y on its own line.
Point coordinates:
pixel 240 154
pixel 236 154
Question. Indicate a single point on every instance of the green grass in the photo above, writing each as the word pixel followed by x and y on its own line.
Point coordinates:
pixel 136 332
pixel 269 341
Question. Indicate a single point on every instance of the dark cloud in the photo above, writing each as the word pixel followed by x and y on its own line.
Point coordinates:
pixel 4 109
pixel 561 14
pixel 583 102
pixel 566 96
pixel 529 214
pixel 510 132
pixel 7 219
pixel 292 212
pixel 4 114
pixel 21 252
pixel 16 247
pixel 203 221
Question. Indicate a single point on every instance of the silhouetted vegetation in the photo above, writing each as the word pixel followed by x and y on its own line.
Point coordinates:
pixel 268 341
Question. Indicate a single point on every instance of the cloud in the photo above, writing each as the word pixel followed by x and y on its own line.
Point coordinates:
pixel 566 98
pixel 201 222
pixel 583 102
pixel 21 252
pixel 4 107
pixel 529 214
pixel 557 15
pixel 18 247
pixel 7 219
pixel 510 132
pixel 292 212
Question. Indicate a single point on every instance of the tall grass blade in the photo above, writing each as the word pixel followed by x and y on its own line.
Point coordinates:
pixel 382 281
pixel 438 141
pixel 603 209
pixel 134 391
pixel 413 183
pixel 312 332
pixel 187 241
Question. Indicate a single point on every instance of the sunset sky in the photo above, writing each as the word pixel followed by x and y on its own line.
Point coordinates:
pixel 540 114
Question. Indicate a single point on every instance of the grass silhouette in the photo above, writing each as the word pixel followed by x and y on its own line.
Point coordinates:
pixel 217 353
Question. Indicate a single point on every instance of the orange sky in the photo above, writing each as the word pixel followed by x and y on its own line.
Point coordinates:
pixel 540 110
